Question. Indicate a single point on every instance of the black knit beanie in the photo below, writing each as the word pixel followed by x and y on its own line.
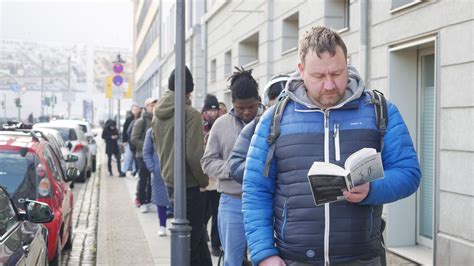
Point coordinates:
pixel 210 103
pixel 189 81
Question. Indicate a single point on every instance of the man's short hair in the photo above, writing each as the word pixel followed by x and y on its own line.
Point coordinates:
pixel 243 85
pixel 320 40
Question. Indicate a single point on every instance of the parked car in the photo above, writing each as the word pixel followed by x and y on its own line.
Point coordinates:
pixel 23 238
pixel 87 129
pixel 30 169
pixel 77 144
pixel 57 144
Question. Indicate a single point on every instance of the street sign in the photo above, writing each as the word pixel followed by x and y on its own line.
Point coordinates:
pixel 118 80
pixel 108 87
pixel 118 68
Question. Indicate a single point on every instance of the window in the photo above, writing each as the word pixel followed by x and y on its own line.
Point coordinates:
pixel 337 14
pixel 290 29
pixel 213 70
pixel 228 63
pixel 248 50
pixel 401 4
pixel 426 128
pixel 51 164
pixel 8 218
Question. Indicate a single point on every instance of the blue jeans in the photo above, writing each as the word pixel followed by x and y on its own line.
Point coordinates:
pixel 128 159
pixel 231 230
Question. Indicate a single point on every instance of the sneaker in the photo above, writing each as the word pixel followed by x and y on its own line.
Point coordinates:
pixel 144 208
pixel 162 231
pixel 111 174
pixel 122 174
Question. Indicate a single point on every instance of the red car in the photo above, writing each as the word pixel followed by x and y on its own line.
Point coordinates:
pixel 30 169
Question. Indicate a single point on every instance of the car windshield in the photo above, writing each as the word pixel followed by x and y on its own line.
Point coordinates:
pixel 17 174
pixel 67 133
pixel 84 128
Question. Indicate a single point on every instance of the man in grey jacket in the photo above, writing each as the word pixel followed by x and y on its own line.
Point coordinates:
pixel 224 132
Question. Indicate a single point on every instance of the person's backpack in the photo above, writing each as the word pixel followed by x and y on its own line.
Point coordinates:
pixel 376 98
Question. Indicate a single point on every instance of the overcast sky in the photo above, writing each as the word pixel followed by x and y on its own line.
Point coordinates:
pixel 100 22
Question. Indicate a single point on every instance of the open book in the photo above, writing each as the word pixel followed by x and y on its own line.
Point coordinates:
pixel 328 180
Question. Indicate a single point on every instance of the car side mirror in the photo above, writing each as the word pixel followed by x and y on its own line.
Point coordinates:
pixel 69 145
pixel 71 174
pixel 38 212
pixel 70 158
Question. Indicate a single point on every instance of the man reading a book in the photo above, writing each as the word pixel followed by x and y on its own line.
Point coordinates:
pixel 328 117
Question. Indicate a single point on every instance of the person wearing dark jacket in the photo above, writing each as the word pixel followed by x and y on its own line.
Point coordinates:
pixel 110 135
pixel 129 157
pixel 137 139
pixel 209 114
pixel 163 130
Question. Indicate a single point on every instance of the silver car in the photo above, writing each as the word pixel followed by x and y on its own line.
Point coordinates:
pixel 87 129
pixel 77 144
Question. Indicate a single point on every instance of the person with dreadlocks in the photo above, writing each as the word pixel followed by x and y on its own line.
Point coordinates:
pixel 224 133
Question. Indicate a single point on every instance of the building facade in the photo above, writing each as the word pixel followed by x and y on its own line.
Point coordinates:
pixel 419 53
pixel 154 42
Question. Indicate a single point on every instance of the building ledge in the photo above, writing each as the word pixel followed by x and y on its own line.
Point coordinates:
pixel 419 254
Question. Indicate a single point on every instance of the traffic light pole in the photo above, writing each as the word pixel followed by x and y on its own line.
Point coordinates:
pixel 180 229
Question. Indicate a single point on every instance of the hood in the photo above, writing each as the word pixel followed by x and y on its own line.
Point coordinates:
pixel 297 92
pixel 261 110
pixel 164 108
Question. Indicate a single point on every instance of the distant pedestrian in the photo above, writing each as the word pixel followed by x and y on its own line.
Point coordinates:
pixel 222 109
pixel 159 195
pixel 137 139
pixel 224 132
pixel 163 130
pixel 209 114
pixel 110 135
pixel 129 158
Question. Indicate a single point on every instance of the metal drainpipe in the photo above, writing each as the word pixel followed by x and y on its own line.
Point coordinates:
pixel 364 40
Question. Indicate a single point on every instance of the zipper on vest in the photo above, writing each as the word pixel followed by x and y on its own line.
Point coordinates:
pixel 336 142
pixel 326 206
pixel 283 216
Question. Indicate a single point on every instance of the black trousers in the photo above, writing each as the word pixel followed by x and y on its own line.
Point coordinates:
pixel 195 212
pixel 212 207
pixel 144 182
pixel 109 161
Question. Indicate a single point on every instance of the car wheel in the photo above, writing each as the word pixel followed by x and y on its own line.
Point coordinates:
pixel 89 173
pixel 82 177
pixel 94 163
pixel 58 256
pixel 68 244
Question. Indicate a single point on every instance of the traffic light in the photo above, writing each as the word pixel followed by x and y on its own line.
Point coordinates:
pixel 18 102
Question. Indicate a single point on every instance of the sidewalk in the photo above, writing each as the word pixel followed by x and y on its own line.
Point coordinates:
pixel 126 236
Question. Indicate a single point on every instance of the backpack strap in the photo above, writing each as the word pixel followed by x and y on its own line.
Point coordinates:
pixel 381 112
pixel 274 132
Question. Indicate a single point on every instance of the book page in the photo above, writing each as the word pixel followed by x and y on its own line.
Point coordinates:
pixel 366 169
pixel 327 181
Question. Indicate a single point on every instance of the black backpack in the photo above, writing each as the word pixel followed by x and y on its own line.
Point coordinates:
pixel 376 98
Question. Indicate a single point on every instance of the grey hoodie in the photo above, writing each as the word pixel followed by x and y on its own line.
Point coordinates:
pixel 297 92
pixel 222 138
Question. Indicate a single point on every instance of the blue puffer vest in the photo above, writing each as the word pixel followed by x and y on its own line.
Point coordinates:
pixel 354 230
